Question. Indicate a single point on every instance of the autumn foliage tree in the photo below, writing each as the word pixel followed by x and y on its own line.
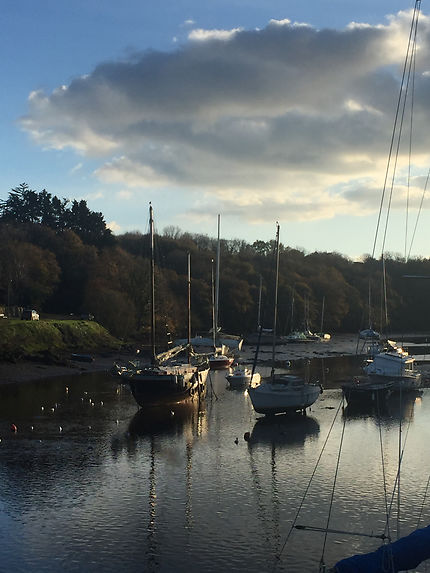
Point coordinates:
pixel 58 256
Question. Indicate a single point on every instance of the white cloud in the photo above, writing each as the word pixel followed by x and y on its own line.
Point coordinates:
pixel 284 121
pixel 76 168
pixel 205 35
pixel 284 22
pixel 94 196
pixel 125 194
pixel 113 226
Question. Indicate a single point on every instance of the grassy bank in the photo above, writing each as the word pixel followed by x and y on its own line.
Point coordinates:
pixel 52 340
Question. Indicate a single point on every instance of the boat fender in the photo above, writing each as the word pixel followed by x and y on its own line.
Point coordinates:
pixel 246 436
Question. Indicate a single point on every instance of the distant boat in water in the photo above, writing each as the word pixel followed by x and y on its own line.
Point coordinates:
pixel 242 377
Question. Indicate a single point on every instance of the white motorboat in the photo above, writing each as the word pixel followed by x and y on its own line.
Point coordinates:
pixel 394 364
pixel 242 377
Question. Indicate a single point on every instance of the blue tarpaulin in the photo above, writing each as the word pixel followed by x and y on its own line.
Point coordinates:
pixel 404 554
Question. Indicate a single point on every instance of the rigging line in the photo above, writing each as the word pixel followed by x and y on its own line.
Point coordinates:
pixel 278 557
pixel 384 480
pixel 399 464
pixel 405 95
pixel 401 454
pixel 393 134
pixel 414 58
pixel 419 212
pixel 422 504
pixel 401 449
pixel 342 531
pixel 332 492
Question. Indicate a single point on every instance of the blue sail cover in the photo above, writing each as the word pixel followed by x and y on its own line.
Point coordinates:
pixel 404 554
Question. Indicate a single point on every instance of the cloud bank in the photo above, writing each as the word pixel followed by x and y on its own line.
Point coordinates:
pixel 287 121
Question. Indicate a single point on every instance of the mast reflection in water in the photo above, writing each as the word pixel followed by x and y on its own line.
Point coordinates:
pixel 89 483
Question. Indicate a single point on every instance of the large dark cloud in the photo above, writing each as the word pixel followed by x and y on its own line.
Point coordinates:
pixel 290 114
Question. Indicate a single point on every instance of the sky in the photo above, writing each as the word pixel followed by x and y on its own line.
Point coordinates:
pixel 257 110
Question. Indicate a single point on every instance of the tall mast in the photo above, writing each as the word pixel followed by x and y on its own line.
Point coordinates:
pixel 275 306
pixel 322 315
pixel 189 304
pixel 213 305
pixel 259 304
pixel 151 239
pixel 218 250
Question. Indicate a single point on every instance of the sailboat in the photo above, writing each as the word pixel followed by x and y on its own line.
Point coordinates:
pixel 262 336
pixel 163 380
pixel 282 392
pixel 324 336
pixel 219 360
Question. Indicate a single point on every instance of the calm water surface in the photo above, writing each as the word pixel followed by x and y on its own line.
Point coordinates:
pixel 88 483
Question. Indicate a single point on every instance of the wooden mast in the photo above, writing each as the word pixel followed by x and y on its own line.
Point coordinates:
pixel 213 306
pixel 152 273
pixel 275 306
pixel 217 280
pixel 189 305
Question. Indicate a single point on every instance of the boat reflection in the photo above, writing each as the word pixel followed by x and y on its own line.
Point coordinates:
pixel 167 420
pixel 284 430
pixel 398 407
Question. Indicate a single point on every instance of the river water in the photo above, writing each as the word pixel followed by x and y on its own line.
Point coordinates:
pixel 88 483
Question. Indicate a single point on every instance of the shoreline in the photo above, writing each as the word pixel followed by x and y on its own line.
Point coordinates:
pixel 339 345
pixel 28 371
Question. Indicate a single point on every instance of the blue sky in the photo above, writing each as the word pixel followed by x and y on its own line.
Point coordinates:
pixel 258 110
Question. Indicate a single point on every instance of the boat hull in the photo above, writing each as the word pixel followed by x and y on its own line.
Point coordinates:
pixel 220 362
pixel 400 383
pixel 270 399
pixel 367 393
pixel 152 386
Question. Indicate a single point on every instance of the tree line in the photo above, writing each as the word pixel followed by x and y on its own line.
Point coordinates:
pixel 59 257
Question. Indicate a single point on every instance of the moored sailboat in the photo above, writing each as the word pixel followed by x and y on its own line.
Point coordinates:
pixel 220 359
pixel 282 392
pixel 163 379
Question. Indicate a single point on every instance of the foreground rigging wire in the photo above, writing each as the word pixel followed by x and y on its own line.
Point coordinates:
pixel 293 525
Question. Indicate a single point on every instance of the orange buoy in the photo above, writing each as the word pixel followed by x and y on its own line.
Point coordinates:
pixel 13 428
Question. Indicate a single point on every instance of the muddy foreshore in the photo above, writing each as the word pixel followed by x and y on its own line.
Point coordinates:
pixel 27 371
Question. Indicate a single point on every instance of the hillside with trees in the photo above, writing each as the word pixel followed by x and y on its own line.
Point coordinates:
pixel 58 256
